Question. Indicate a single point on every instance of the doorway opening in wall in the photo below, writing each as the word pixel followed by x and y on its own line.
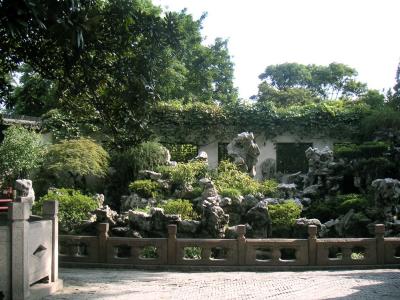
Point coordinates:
pixel 291 157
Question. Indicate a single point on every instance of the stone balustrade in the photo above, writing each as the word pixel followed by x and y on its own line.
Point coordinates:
pixel 29 252
pixel 230 252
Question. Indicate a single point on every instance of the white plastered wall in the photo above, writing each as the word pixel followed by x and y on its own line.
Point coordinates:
pixel 267 148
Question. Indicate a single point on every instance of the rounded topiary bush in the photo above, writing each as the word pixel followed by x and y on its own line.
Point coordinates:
pixel 74 207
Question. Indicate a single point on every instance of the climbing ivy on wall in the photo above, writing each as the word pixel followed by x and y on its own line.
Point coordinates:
pixel 197 123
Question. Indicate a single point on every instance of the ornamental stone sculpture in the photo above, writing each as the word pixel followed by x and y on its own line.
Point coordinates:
pixel 245 152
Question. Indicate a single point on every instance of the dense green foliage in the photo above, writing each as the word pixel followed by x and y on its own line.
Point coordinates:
pixel 230 177
pixel 193 122
pixel 186 173
pixel 327 82
pixel 74 207
pixel 73 159
pixel 145 188
pixel 112 60
pixel 20 152
pixel 284 214
pixel 180 207
pixel 364 150
pixel 126 164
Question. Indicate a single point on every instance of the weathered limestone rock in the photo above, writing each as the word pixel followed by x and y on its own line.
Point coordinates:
pixel 268 168
pixel 301 227
pixel 387 196
pixel 209 189
pixel 106 214
pixel 99 199
pixel 259 220
pixel 140 220
pixel 134 201
pixel 249 201
pixel 189 227
pixel 202 156
pixel 322 179
pixel 214 220
pixel 287 190
pixel 148 174
pixel 245 152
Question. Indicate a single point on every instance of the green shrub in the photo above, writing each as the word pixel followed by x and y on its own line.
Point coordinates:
pixel 284 214
pixel 347 150
pixel 192 253
pixel 145 188
pixel 231 193
pixel 185 173
pixel 74 207
pixel 269 188
pixel 351 201
pixel 373 149
pixel 20 152
pixel 230 177
pixel 180 207
pixel 127 164
pixel 323 211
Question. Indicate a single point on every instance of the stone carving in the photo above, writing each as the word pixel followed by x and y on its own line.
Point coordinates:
pixel 245 152
pixel 268 168
pixel 25 190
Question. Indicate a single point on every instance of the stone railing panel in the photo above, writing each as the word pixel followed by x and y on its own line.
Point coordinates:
pixel 277 252
pixel 212 252
pixel 78 248
pixel 349 251
pixel 40 250
pixel 392 250
pixel 135 251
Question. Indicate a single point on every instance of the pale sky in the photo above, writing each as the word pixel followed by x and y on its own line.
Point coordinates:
pixel 364 34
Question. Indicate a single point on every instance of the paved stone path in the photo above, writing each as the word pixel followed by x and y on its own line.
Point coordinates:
pixel 135 284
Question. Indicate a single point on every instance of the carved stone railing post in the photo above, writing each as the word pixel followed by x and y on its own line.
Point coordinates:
pixel 241 243
pixel 312 245
pixel 19 214
pixel 50 212
pixel 171 257
pixel 380 243
pixel 103 236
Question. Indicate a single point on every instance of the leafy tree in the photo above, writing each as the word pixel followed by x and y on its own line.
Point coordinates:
pixel 20 152
pixel 77 158
pixel 374 99
pixel 394 98
pixel 34 96
pixel 284 83
pixel 114 59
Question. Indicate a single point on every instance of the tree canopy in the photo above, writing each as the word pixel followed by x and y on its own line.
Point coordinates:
pixel 290 83
pixel 113 59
